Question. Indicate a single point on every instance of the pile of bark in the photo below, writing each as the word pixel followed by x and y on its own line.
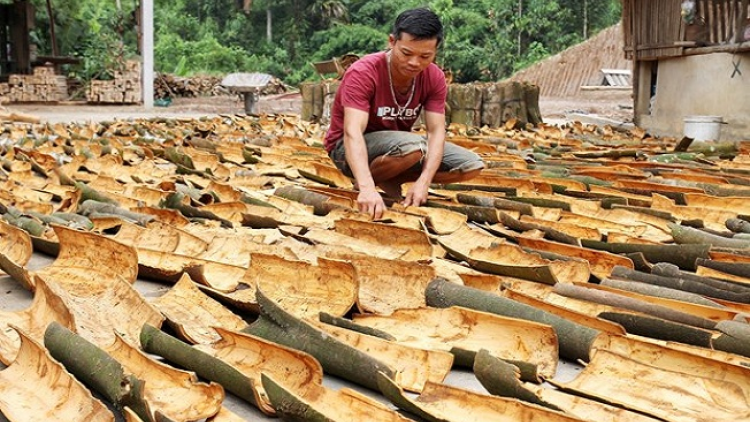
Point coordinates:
pixel 124 88
pixel 171 86
pixel 625 252
pixel 481 104
pixel 43 85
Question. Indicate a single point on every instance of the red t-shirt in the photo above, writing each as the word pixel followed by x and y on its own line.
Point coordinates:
pixel 366 87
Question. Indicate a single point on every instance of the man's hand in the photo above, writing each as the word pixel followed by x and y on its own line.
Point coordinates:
pixel 417 194
pixel 370 202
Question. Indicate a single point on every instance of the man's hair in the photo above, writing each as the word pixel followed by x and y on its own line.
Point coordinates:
pixel 421 23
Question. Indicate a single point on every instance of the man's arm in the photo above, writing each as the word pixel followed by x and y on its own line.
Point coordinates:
pixel 369 200
pixel 435 123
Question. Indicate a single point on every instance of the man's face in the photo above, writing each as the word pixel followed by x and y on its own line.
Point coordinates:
pixel 410 56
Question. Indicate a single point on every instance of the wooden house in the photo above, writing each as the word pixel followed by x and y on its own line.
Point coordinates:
pixel 690 58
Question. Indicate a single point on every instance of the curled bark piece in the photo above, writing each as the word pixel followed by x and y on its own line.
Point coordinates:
pixel 91 207
pixel 96 369
pixel 414 365
pixel 738 225
pixel 575 340
pixel 735 338
pixel 89 193
pixel 549 232
pixel 278 325
pixel 683 256
pixel 659 328
pixel 171 394
pixel 620 301
pixel 206 366
pixel 464 332
pixel 321 203
pixel 174 201
pixel 666 270
pixel 688 235
pixel 321 404
pixel 501 378
pixel 713 290
pixel 741 269
pixel 658 291
pixel 45 308
pixel 600 262
pixel 351 325
pixel 192 314
pixel 473 213
pixel 15 244
pixel 37 388
pixel 669 395
pixel 442 403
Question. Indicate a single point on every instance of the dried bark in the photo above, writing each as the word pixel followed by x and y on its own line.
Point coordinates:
pixel 96 369
pixel 501 378
pixel 575 340
pixel 277 325
pixel 174 201
pixel 206 366
pixel 549 232
pixel 683 256
pixel 741 269
pixel 659 328
pixel 738 225
pixel 320 202
pixel 659 291
pixel 688 235
pixel 620 301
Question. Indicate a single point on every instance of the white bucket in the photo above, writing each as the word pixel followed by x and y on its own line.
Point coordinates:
pixel 703 128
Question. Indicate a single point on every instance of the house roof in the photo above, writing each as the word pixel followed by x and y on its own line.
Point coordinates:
pixel 563 74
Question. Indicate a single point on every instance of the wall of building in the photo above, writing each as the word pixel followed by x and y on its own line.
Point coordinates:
pixel 701 85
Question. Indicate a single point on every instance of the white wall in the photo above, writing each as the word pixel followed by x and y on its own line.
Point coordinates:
pixel 701 85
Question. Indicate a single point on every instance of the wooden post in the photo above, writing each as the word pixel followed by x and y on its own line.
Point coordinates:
pixel 739 28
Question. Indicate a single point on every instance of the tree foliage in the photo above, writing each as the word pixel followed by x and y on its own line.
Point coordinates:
pixel 484 39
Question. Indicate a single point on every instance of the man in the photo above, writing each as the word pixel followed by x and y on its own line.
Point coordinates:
pixel 378 101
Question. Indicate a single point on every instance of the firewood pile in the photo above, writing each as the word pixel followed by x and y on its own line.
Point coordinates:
pixel 124 88
pixel 579 243
pixel 171 86
pixel 43 85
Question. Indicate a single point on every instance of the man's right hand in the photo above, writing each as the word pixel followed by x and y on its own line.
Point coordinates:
pixel 370 202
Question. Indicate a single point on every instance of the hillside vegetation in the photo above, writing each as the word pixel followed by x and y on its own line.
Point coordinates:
pixel 485 39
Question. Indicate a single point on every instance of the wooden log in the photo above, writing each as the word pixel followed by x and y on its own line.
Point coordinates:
pixel 492 105
pixel 531 97
pixel 465 103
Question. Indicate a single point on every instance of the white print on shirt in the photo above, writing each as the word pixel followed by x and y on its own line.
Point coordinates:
pixel 388 113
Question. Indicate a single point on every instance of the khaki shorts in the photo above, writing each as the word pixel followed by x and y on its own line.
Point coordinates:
pixel 397 143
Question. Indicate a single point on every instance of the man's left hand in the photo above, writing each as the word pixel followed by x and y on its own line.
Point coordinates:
pixel 417 194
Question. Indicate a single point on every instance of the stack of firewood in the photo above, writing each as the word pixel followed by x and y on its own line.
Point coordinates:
pixel 166 85
pixel 4 93
pixel 125 88
pixel 41 86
